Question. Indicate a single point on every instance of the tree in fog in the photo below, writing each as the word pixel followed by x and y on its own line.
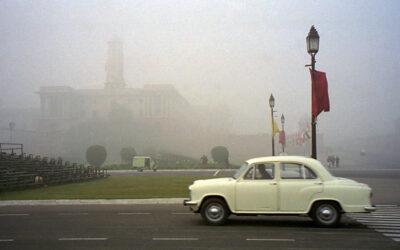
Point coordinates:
pixel 96 155
pixel 220 154
pixel 127 154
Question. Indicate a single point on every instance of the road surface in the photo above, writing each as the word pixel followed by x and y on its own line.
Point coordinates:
pixel 174 227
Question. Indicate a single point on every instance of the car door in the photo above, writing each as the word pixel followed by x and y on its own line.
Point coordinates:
pixel 297 186
pixel 257 190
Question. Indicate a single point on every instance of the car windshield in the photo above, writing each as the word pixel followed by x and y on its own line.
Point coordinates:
pixel 240 170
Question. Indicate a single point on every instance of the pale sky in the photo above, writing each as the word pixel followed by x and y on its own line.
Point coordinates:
pixel 232 53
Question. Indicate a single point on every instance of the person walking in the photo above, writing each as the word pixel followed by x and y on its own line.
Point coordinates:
pixel 330 161
pixel 337 161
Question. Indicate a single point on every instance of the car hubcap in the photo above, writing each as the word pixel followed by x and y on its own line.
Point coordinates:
pixel 215 212
pixel 326 213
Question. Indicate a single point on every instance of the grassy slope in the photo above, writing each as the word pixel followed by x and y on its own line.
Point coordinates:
pixel 126 187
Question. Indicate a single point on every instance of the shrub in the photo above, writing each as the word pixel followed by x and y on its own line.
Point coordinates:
pixel 96 155
pixel 220 154
pixel 127 154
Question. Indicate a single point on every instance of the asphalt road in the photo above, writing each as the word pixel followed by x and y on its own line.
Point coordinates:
pixel 174 227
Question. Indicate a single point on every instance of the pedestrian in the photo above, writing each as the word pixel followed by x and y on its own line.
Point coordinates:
pixel 337 161
pixel 329 160
pixel 203 160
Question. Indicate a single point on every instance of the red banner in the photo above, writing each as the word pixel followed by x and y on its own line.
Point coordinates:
pixel 320 97
pixel 282 138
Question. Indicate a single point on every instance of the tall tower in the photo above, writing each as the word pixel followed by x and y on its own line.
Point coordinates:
pixel 115 65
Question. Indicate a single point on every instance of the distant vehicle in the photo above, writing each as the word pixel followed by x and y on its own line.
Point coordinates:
pixel 141 163
pixel 281 185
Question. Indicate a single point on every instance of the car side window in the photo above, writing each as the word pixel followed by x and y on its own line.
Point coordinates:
pixel 250 173
pixel 264 171
pixel 309 174
pixel 296 171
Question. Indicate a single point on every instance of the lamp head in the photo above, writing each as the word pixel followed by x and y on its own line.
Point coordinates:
pixel 312 41
pixel 271 101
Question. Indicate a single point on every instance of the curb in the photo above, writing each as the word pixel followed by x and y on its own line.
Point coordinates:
pixel 91 202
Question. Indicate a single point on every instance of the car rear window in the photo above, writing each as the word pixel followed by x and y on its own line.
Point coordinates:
pixel 296 171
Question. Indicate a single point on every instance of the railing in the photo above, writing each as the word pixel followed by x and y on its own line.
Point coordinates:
pixel 24 171
pixel 11 148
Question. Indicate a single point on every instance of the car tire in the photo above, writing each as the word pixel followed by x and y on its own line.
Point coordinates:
pixel 214 212
pixel 326 214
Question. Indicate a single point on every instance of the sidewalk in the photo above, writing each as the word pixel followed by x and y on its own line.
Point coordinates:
pixel 92 202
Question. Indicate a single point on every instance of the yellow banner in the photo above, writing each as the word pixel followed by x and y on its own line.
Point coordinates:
pixel 275 128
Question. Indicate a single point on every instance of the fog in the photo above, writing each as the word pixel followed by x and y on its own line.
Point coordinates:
pixel 226 54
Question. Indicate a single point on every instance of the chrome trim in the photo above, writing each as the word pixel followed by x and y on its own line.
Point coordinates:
pixel 189 202
pixel 370 208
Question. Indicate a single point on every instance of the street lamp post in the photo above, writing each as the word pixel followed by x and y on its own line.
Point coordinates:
pixel 312 49
pixel 271 105
pixel 283 129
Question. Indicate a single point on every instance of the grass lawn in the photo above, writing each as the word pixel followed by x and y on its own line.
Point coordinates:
pixel 124 187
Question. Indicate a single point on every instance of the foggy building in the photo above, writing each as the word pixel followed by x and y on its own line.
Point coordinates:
pixel 62 106
pixel 65 110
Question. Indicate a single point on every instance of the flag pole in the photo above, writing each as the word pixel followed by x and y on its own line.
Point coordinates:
pixel 313 118
pixel 271 105
pixel 312 40
pixel 272 132
pixel 283 131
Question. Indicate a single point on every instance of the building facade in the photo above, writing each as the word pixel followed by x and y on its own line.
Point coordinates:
pixel 63 106
pixel 112 115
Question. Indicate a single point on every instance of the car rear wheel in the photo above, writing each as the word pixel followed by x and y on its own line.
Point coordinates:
pixel 214 211
pixel 326 214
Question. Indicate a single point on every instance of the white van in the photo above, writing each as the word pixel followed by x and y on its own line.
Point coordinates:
pixel 143 162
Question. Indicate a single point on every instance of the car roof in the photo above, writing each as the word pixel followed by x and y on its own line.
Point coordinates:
pixel 280 158
pixel 314 164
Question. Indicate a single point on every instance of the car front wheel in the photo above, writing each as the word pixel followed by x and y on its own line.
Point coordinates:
pixel 214 211
pixel 326 214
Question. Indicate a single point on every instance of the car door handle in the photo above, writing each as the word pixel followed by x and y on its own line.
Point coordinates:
pixel 272 183
pixel 318 183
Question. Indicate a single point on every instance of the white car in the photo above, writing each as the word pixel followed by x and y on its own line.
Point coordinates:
pixel 280 185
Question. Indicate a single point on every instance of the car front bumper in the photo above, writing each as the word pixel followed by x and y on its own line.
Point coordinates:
pixel 370 208
pixel 189 203
pixel 193 205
